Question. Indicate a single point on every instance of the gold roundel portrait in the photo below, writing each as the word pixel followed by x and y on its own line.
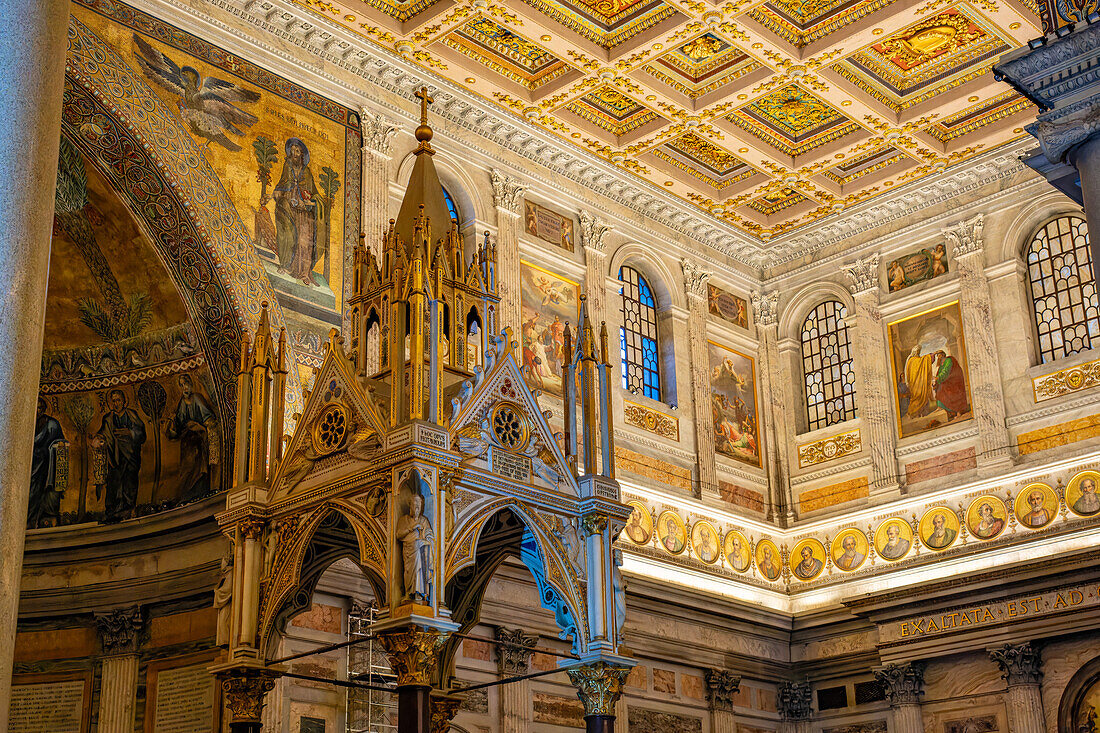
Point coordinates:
pixel 1036 506
pixel 704 538
pixel 768 560
pixel 893 538
pixel 849 550
pixel 808 559
pixel 736 550
pixel 1082 496
pixel 639 528
pixel 939 528
pixel 671 532
pixel 986 517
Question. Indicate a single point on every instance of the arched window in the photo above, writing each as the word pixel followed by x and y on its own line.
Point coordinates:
pixel 452 208
pixel 638 336
pixel 1063 292
pixel 827 366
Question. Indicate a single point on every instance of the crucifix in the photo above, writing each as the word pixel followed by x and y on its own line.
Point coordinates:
pixel 424 133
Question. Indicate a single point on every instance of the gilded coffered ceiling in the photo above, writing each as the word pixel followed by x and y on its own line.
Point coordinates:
pixel 768 115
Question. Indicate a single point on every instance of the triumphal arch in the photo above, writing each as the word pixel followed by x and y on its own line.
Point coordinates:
pixel 423 455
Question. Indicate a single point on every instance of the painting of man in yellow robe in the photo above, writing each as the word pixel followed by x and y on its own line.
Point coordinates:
pixel 931 380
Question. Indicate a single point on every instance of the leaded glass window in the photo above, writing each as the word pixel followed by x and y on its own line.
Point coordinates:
pixel 1063 292
pixel 827 366
pixel 638 336
pixel 452 209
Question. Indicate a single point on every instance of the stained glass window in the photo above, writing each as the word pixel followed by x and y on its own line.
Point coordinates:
pixel 1063 292
pixel 451 207
pixel 827 366
pixel 638 336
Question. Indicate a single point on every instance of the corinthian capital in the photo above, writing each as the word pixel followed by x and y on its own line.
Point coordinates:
pixel 507 191
pixel 377 131
pixel 965 238
pixel 904 683
pixel 794 701
pixel 1021 664
pixel 765 308
pixel 514 651
pixel 599 686
pixel 120 630
pixel 593 231
pixel 721 687
pixel 695 278
pixel 863 274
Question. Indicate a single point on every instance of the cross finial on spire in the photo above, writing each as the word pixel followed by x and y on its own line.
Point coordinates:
pixel 424 132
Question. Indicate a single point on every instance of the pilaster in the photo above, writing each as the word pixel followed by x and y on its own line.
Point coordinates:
pixel 722 685
pixel 514 660
pixel 983 361
pixel 594 232
pixel 508 199
pixel 119 636
pixel 1021 666
pixel 904 685
pixel 777 405
pixel 872 373
pixel 794 702
pixel 695 286
pixel 377 152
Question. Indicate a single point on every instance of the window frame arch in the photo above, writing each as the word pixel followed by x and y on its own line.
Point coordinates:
pixel 1061 293
pixel 650 382
pixel 818 363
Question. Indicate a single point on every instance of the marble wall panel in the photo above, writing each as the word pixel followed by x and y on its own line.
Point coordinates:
pixel 647 721
pixel 652 468
pixel 1058 435
pixel 741 496
pixel 940 466
pixel 558 710
pixel 832 495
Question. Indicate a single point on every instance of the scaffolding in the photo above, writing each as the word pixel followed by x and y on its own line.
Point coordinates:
pixel 368 711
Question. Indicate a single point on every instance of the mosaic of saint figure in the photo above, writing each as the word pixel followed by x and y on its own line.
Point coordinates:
pixel 193 426
pixel 1088 503
pixel 120 438
pixel 809 566
pixel 45 501
pixel 297 215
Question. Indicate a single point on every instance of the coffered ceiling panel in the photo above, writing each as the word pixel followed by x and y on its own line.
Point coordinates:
pixel 770 115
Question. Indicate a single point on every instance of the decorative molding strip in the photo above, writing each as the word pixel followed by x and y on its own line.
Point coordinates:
pixel 831 471
pixel 651 420
pixel 830 449
pixel 1066 381
pixel 908 450
pixel 634 440
pixel 114 380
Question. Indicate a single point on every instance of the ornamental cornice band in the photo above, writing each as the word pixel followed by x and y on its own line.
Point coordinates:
pixel 829 449
pixel 1066 381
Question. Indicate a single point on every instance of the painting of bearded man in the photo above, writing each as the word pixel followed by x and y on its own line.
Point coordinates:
pixel 298 212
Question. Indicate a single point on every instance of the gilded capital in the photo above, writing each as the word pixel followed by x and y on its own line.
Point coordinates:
pixel 1021 664
pixel 722 685
pixel 442 710
pixel 507 191
pixel 904 683
pixel 695 278
pixel 413 654
pixel 245 690
pixel 599 686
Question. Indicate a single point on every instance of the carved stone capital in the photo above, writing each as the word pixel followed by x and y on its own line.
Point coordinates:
pixel 442 709
pixel 507 191
pixel 793 701
pixel 377 131
pixel 1021 664
pixel 722 685
pixel 965 238
pixel 593 523
pixel 120 630
pixel 765 308
pixel 695 278
pixel 245 690
pixel 252 529
pixel 599 686
pixel 514 651
pixel 904 683
pixel 413 654
pixel 593 233
pixel 863 274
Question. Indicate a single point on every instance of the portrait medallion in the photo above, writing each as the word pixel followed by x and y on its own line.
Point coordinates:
pixel 986 517
pixel 893 539
pixel 938 528
pixel 736 550
pixel 1081 495
pixel 850 550
pixel 1036 506
pixel 671 532
pixel 768 560
pixel 808 559
pixel 704 539
pixel 639 528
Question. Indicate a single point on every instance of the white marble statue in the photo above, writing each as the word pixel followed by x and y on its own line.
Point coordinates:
pixel 414 532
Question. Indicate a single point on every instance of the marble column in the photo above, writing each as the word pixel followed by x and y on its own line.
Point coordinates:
pixel 32 72
pixel 119 636
pixel 695 285
pixel 1021 666
pixel 904 685
pixel 721 687
pixel 514 660
pixel 983 362
pixel 599 687
pixel 594 238
pixel 872 373
pixel 508 199
pixel 794 702
pixel 777 427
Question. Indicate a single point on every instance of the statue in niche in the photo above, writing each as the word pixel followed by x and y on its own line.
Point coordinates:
pixel 46 468
pixel 120 438
pixel 566 531
pixel 618 586
pixel 223 602
pixel 195 428
pixel 414 532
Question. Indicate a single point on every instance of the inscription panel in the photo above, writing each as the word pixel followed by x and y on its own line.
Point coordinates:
pixel 51 707
pixel 184 700
pixel 509 465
